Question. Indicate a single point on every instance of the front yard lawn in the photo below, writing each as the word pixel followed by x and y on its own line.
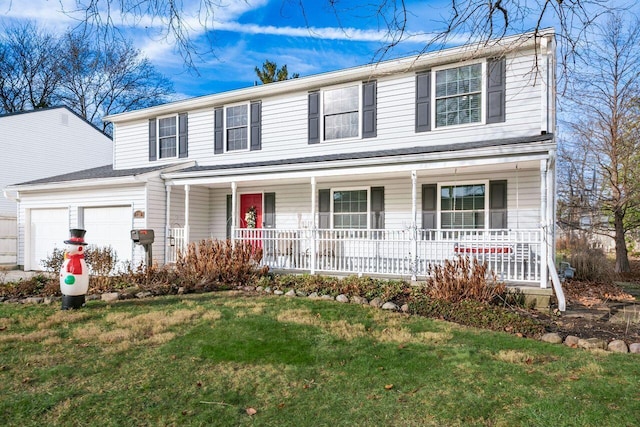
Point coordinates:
pixel 228 359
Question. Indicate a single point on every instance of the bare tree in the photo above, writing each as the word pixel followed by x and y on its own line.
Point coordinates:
pixel 477 20
pixel 29 68
pixel 104 79
pixel 271 73
pixel 602 157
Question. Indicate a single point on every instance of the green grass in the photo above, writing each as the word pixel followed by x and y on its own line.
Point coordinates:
pixel 205 359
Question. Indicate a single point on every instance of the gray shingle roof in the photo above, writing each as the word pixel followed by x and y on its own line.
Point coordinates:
pixel 100 172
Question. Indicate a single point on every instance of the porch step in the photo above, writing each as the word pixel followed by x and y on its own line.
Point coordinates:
pixel 534 297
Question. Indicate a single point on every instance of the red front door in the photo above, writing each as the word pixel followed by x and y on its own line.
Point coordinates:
pixel 247 202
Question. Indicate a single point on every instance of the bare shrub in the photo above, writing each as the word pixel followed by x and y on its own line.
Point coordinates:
pixel 214 264
pixel 463 279
pixel 154 279
pixel 53 262
pixel 101 260
pixel 591 263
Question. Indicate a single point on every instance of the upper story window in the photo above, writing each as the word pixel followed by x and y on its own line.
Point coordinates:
pixel 341 111
pixel 473 93
pixel 462 206
pixel 458 95
pixel 238 127
pixel 168 137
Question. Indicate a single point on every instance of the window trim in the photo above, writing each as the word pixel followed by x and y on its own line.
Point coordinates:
pixel 487 196
pixel 176 136
pixel 368 213
pixel 483 94
pixel 323 139
pixel 225 139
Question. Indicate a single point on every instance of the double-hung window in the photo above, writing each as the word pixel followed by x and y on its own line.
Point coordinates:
pixel 237 127
pixel 462 206
pixel 341 111
pixel 350 209
pixel 458 95
pixel 167 137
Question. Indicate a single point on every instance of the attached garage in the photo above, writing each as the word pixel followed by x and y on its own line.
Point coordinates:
pixel 48 229
pixel 110 226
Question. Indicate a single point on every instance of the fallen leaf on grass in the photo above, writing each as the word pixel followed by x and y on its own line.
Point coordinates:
pixel 388 386
pixel 251 411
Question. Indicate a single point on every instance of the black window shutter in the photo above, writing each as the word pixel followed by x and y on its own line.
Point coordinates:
pixel 496 93
pixel 314 117
pixel 256 126
pixel 183 149
pixel 324 209
pixel 269 215
pixel 229 216
pixel 423 102
pixel 152 140
pixel 218 131
pixel 369 110
pixel 429 206
pixel 498 204
pixel 377 208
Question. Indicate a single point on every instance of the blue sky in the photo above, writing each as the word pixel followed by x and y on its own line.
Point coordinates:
pixel 248 32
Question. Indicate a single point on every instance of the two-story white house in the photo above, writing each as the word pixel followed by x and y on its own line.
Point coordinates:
pixel 380 169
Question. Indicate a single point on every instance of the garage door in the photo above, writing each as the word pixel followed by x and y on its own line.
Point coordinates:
pixel 110 226
pixel 49 229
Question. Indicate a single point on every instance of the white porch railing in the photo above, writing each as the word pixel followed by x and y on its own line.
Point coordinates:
pixel 514 255
pixel 175 242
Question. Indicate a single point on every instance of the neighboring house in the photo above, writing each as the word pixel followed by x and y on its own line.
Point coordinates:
pixel 36 144
pixel 380 169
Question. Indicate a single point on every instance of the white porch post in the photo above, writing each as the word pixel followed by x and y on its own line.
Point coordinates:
pixel 314 231
pixel 414 225
pixel 187 187
pixel 544 225
pixel 234 203
pixel 167 224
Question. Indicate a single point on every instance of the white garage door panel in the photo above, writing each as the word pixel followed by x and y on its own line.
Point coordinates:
pixel 110 226
pixel 49 229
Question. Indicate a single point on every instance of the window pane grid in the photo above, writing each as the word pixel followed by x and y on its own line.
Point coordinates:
pixel 237 129
pixel 167 137
pixel 462 206
pixel 341 115
pixel 350 209
pixel 458 95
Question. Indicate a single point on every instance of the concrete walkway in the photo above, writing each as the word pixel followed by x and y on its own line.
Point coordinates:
pixel 16 275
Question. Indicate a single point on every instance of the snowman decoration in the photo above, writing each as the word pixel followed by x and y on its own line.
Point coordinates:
pixel 74 275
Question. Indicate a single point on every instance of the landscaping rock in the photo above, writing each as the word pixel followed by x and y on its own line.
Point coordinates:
pixel 301 293
pixel 278 292
pixel 268 290
pixel 92 297
pixel 404 308
pixel 48 300
pixel 359 300
pixel 571 341
pixel 635 347
pixel 376 302
pixel 390 306
pixel 313 295
pixel 290 293
pixel 552 338
pixel 592 344
pixel 110 296
pixel 327 297
pixel 259 288
pixel 181 290
pixel 33 300
pixel 618 346
pixel 248 288
pixel 342 298
pixel 143 294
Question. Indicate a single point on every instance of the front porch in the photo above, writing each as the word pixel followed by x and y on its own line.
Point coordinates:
pixel 513 255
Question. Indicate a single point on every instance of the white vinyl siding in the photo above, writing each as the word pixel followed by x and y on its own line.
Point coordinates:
pixel 284 123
